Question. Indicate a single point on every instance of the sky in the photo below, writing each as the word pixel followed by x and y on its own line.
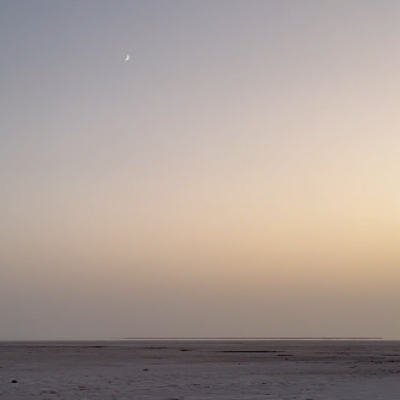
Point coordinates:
pixel 237 177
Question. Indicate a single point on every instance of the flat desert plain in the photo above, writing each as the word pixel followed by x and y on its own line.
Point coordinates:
pixel 200 369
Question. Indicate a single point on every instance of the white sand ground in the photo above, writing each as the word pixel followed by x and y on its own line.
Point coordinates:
pixel 194 370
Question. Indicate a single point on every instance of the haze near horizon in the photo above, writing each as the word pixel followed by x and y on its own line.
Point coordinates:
pixel 237 177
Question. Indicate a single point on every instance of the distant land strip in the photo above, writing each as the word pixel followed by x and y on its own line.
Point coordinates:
pixel 257 338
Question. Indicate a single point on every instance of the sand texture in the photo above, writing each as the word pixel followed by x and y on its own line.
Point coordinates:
pixel 122 370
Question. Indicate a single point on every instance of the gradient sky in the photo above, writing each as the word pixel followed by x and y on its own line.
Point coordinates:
pixel 239 176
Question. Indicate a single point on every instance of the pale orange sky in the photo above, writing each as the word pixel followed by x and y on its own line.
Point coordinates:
pixel 238 176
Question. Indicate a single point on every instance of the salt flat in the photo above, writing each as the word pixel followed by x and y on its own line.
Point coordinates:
pixel 272 369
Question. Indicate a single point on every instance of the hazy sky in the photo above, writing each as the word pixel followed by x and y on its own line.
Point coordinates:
pixel 238 176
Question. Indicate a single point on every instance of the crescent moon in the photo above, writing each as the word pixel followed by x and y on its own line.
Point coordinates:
pixel 127 58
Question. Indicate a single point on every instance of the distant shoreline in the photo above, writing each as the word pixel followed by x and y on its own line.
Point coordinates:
pixel 254 338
